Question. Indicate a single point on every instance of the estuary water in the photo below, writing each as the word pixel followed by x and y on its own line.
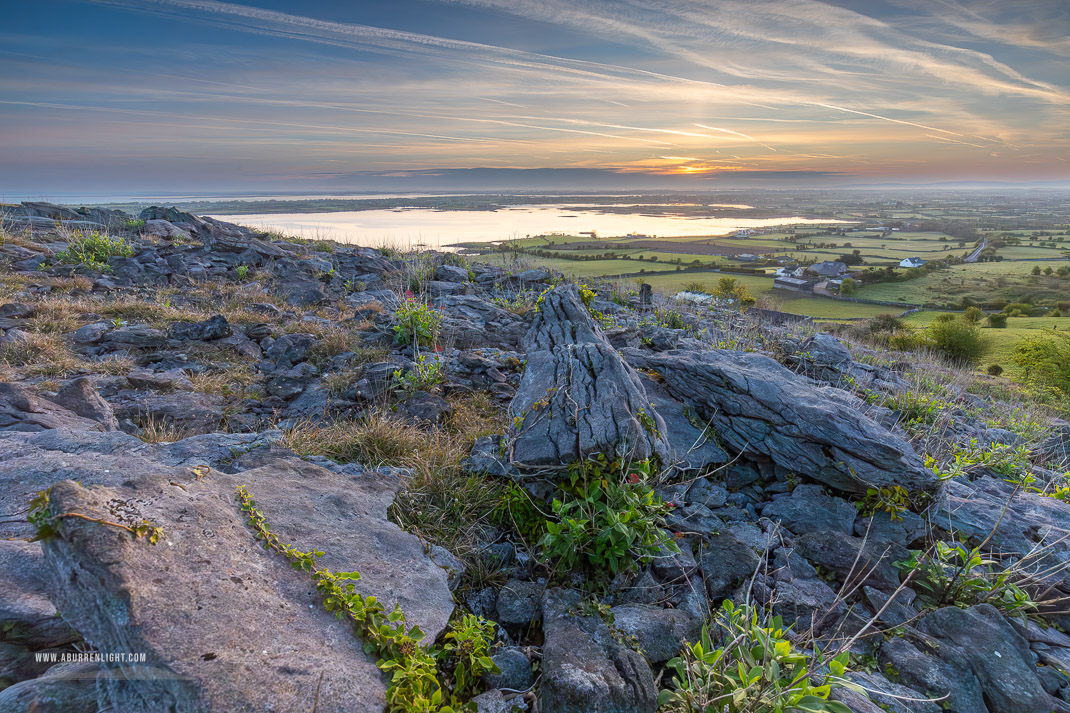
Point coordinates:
pixel 404 228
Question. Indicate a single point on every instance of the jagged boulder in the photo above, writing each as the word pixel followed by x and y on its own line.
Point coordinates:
pixel 251 635
pixel 215 327
pixel 26 614
pixel 999 657
pixel 79 396
pixel 577 397
pixel 20 410
pixel 759 408
pixel 585 670
pixel 1015 523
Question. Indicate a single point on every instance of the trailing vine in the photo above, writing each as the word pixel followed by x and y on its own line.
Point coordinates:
pixel 423 678
pixel 46 523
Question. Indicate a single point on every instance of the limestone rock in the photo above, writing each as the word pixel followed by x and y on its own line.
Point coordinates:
pixel 252 637
pixel 79 396
pixel 577 397
pixel 585 670
pixel 758 407
pixel 20 410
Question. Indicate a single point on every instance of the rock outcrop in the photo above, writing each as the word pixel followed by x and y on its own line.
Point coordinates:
pixel 578 397
pixel 758 407
pixel 213 643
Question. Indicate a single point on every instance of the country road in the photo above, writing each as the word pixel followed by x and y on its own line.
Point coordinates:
pixel 976 253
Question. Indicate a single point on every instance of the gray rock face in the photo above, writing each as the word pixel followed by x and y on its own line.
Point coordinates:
pixel 577 396
pixel 585 670
pixel 690 442
pixel 451 273
pixel 79 396
pixel 289 349
pixel 725 563
pixel 26 614
pixel 135 336
pixel 999 657
pixel 64 688
pixel 212 328
pixel 423 408
pixel 809 509
pixel 185 410
pixel 22 411
pixel 948 677
pixel 660 632
pixel 758 407
pixel 853 559
pixel 127 595
pixel 515 668
pixel 976 508
pixel 520 603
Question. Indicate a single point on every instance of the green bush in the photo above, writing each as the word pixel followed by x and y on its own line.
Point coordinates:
pixel 973 315
pixel 1045 360
pixel 952 575
pixel 94 250
pixel 417 322
pixel 758 670
pixel 957 339
pixel 997 321
pixel 606 521
pixel 884 323
pixel 1024 308
pixel 424 375
pixel 995 369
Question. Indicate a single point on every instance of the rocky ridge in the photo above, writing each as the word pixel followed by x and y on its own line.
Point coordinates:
pixel 149 387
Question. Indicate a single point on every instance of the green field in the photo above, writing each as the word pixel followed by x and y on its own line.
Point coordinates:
pixel 1001 342
pixel 1008 280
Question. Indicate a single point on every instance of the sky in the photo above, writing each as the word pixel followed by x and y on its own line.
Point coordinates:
pixel 201 96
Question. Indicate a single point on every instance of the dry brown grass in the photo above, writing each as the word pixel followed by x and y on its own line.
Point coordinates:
pixel 336 382
pixel 441 502
pixel 239 380
pixel 152 430
pixel 34 348
pixel 69 284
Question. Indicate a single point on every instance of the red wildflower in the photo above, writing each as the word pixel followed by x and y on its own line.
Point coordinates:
pixel 633 478
pixel 408 293
pixel 670 505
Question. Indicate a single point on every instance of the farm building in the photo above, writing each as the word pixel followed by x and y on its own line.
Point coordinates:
pixel 794 284
pixel 831 268
pixel 911 262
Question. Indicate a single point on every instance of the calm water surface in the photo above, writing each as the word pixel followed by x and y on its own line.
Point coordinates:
pixel 427 227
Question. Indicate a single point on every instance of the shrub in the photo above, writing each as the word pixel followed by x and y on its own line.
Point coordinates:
pixel 424 375
pixel 848 287
pixel 93 250
pixel 729 288
pixel 758 670
pixel 1023 308
pixel 884 323
pixel 957 339
pixel 1046 360
pixel 973 315
pixel 606 521
pixel 997 321
pixel 417 322
pixel 995 369
pixel 952 575
pixel 695 286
